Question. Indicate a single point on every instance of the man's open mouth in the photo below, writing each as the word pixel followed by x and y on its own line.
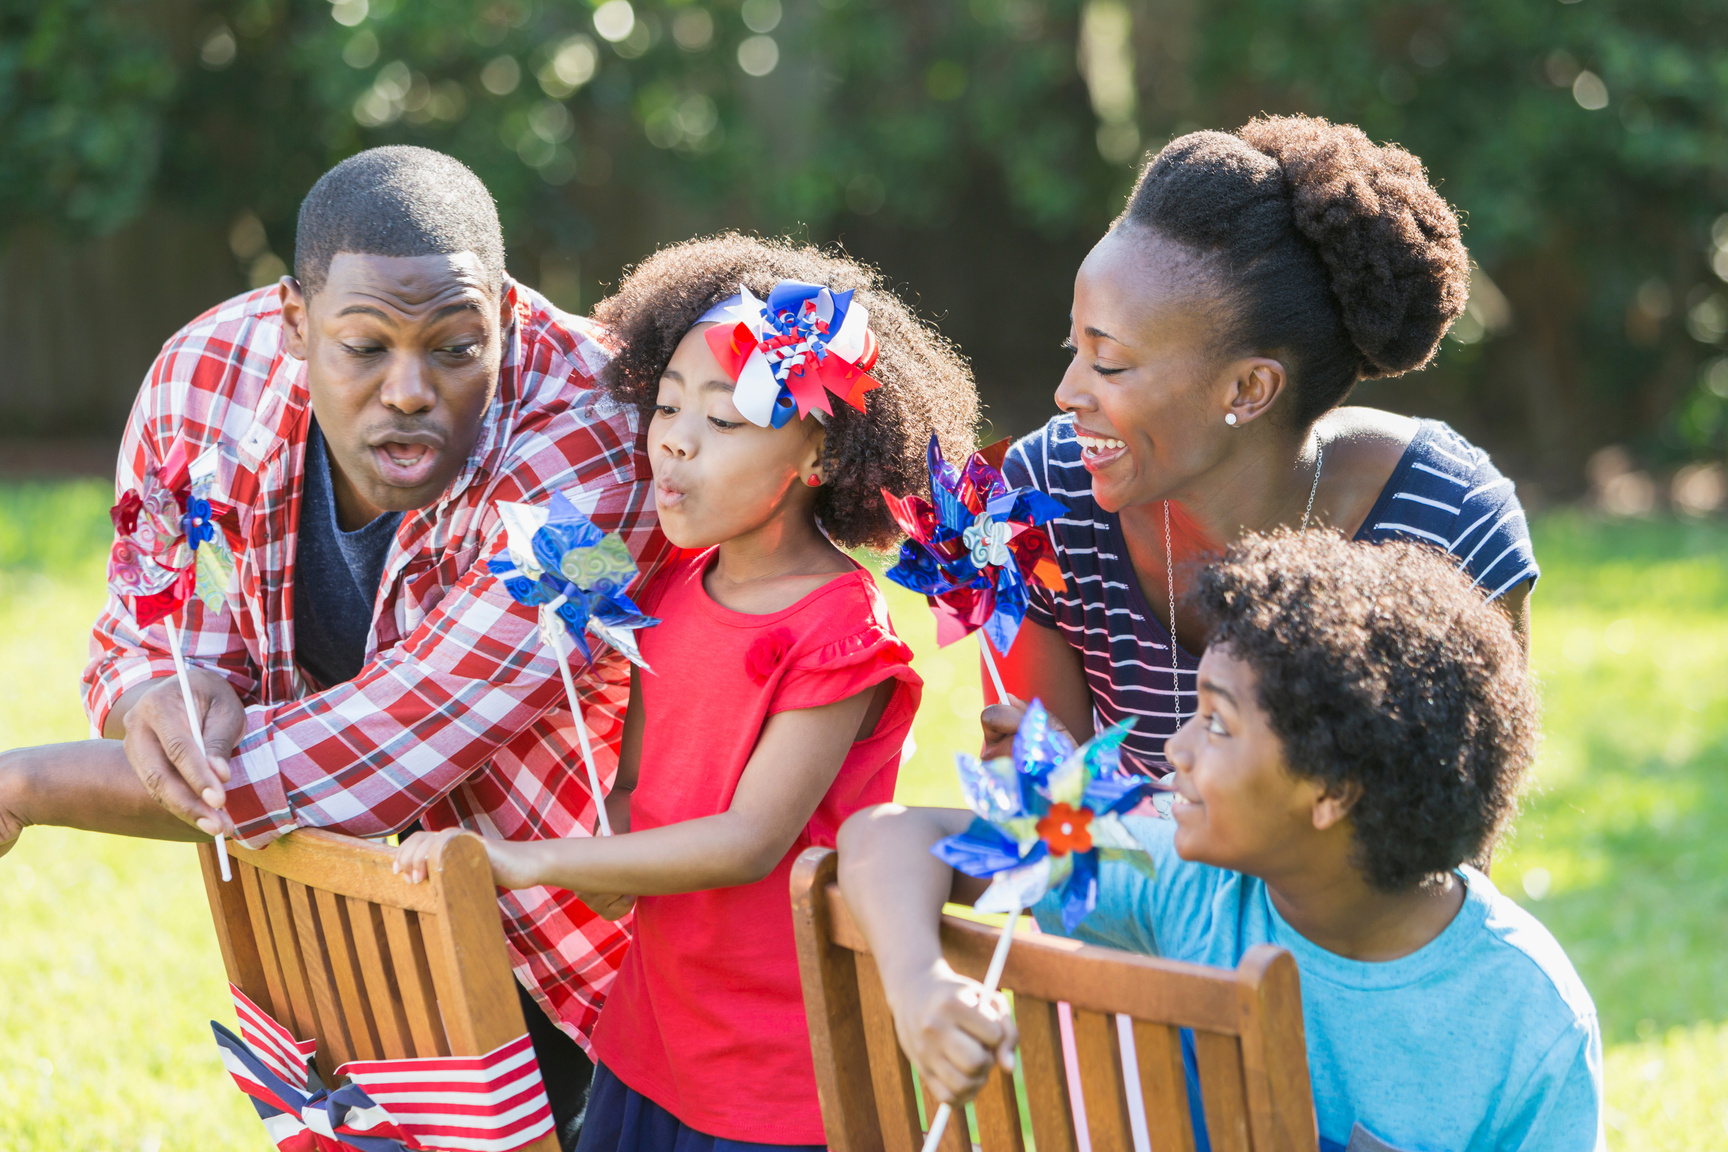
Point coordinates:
pixel 404 465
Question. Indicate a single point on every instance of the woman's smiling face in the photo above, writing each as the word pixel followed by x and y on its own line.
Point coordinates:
pixel 1146 386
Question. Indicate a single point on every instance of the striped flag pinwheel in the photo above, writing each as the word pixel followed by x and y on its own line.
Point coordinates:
pixel 172 543
pixel 490 1103
pixel 1042 822
pixel 788 352
pixel 974 547
pixel 560 562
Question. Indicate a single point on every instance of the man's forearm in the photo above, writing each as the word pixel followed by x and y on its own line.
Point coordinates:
pixel 86 784
pixel 895 888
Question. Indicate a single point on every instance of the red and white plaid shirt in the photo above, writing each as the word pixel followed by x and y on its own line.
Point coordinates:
pixel 459 716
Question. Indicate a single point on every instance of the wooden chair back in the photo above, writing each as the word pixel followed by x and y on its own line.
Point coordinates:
pixel 319 933
pixel 1252 1060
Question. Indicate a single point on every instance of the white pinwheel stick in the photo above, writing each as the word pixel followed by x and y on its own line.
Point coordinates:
pixel 985 646
pixel 185 680
pixel 553 626
pixel 992 977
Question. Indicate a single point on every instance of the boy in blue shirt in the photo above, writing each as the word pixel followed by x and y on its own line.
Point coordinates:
pixel 1364 723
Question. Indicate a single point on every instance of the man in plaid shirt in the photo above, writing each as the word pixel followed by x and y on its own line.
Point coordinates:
pixel 434 387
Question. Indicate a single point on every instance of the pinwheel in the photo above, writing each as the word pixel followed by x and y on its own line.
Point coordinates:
pixel 788 352
pixel 171 544
pixel 558 561
pixel 974 547
pixel 1042 822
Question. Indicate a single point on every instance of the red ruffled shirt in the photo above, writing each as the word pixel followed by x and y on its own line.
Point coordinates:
pixel 707 1016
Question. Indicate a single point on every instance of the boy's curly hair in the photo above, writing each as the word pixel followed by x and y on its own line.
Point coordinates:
pixel 1380 664
pixel 926 387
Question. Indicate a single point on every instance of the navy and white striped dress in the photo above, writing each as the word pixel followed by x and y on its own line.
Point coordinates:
pixel 1445 491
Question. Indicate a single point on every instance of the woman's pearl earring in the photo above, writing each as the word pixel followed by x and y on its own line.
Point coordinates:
pixel 1230 419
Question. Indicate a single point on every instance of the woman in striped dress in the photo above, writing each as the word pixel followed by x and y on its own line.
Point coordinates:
pixel 1251 281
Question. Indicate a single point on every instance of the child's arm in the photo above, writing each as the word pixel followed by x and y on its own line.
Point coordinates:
pixel 86 784
pixel 895 889
pixel 795 762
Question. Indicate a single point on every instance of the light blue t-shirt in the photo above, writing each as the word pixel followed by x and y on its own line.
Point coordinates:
pixel 1483 1040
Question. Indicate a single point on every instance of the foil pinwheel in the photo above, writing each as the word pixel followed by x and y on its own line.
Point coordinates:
pixel 975 546
pixel 171 542
pixel 1045 818
pixel 787 353
pixel 558 560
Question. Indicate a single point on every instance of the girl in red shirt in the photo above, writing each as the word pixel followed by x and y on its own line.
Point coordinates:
pixel 784 389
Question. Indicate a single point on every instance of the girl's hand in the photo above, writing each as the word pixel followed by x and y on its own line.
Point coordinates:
pixel 607 907
pixel 953 1032
pixel 413 853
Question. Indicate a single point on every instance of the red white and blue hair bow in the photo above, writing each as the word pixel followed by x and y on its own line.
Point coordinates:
pixel 975 545
pixel 494 1103
pixel 788 352
pixel 1044 819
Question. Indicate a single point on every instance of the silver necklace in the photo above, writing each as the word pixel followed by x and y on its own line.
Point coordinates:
pixel 1170 568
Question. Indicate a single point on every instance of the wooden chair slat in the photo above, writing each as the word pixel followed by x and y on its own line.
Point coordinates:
pixel 414 979
pixel 345 864
pixel 1218 1059
pixel 275 988
pixel 997 1111
pixel 234 936
pixel 1145 987
pixel 371 945
pixel 1274 1053
pixel 1098 1050
pixel 1046 1073
pixel 345 970
pixel 890 1073
pixel 314 950
pixel 303 1021
pixel 1163 1086
pixel 829 975
pixel 480 1003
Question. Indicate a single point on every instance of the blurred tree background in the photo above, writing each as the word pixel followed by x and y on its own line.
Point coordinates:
pixel 153 153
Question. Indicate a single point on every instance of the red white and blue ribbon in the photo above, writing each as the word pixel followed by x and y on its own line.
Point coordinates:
pixel 490 1103
pixel 788 352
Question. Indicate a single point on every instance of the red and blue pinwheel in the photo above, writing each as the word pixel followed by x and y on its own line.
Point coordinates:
pixel 788 352
pixel 559 561
pixel 172 542
pixel 975 546
pixel 1047 817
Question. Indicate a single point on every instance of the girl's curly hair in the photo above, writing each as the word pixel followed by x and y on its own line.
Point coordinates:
pixel 1380 664
pixel 927 386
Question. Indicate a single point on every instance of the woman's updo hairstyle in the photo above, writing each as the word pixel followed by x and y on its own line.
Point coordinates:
pixel 1335 254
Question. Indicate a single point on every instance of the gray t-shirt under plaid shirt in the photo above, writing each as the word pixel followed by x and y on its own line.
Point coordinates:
pixel 1445 491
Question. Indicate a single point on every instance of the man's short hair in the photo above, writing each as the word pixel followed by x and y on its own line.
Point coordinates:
pixel 397 201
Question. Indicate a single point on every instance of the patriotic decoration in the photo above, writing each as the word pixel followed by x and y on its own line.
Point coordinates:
pixel 1046 818
pixel 974 547
pixel 788 352
pixel 559 561
pixel 490 1103
pixel 172 541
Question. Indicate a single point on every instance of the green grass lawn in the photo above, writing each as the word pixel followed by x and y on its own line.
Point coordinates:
pixel 109 972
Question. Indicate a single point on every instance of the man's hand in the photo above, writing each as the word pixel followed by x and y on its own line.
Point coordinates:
pixel 182 777
pixel 953 1032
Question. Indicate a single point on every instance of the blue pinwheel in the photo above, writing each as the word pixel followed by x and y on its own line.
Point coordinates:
pixel 559 561
pixel 1046 818
pixel 974 546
